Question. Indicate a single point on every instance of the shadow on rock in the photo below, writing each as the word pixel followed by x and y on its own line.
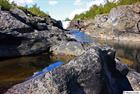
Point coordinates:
pixel 115 81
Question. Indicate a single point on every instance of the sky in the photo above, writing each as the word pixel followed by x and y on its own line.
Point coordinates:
pixel 61 9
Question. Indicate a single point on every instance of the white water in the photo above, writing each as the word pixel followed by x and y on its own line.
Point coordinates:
pixel 65 24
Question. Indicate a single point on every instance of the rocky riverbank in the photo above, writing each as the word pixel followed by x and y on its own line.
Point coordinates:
pixel 84 75
pixel 22 33
pixel 93 71
pixel 122 23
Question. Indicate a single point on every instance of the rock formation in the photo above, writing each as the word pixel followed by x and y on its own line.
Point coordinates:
pixel 22 33
pixel 123 23
pixel 82 75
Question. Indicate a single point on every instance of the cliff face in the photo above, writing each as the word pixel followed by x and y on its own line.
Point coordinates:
pixel 122 21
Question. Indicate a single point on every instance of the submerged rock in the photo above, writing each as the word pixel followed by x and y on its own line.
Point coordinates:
pixel 82 75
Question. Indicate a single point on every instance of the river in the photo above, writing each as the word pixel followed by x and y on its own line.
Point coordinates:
pixel 127 52
pixel 15 70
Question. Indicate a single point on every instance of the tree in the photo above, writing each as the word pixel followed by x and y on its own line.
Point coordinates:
pixel 5 5
pixel 67 19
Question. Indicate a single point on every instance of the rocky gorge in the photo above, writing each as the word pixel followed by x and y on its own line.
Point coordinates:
pixel 95 70
pixel 22 33
pixel 84 75
pixel 122 23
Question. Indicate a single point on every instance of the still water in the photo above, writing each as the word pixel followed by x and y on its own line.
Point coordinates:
pixel 127 52
pixel 15 70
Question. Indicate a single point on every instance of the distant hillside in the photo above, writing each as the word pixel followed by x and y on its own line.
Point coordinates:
pixel 102 9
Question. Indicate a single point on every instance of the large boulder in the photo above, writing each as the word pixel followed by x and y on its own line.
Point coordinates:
pixel 126 18
pixel 68 48
pixel 9 23
pixel 83 75
pixel 79 76
pixel 21 34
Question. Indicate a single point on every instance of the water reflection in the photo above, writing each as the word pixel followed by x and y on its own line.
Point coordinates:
pixel 81 36
pixel 47 69
pixel 128 52
pixel 16 70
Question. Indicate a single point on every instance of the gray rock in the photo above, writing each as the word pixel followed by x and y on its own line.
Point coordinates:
pixel 134 79
pixel 76 25
pixel 82 75
pixel 122 23
pixel 20 13
pixel 68 48
pixel 21 34
pixel 79 76
pixel 9 23
pixel 123 68
pixel 124 18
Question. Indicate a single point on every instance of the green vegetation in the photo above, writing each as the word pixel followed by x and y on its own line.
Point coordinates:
pixel 5 5
pixel 22 8
pixel 102 9
pixel 36 10
pixel 67 19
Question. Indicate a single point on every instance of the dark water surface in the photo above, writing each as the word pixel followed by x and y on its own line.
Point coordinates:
pixel 127 52
pixel 15 70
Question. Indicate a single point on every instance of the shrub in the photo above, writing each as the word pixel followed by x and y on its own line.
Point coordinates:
pixel 5 5
pixel 102 9
pixel 22 8
pixel 36 10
